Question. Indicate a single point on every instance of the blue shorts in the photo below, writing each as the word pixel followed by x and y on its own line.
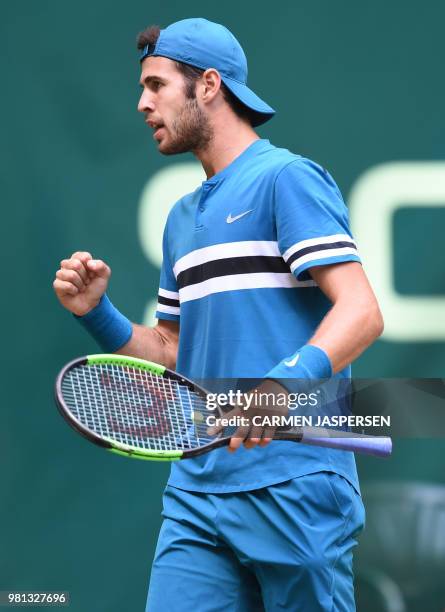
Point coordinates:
pixel 283 547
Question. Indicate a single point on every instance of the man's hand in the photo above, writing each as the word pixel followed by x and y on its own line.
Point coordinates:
pixel 271 402
pixel 80 282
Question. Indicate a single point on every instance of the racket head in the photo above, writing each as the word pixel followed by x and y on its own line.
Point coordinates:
pixel 135 408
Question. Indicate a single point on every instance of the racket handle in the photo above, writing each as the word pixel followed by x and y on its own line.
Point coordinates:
pixel 379 446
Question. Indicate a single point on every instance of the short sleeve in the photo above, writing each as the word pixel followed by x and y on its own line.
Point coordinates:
pixel 168 306
pixel 311 218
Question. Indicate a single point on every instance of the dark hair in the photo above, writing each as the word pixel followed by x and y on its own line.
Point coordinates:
pixel 191 74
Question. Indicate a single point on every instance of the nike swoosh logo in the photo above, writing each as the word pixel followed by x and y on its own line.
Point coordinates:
pixel 231 219
pixel 292 362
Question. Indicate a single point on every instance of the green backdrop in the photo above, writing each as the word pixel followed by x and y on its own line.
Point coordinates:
pixel 355 85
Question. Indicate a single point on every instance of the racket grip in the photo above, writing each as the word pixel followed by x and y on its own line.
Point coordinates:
pixel 379 446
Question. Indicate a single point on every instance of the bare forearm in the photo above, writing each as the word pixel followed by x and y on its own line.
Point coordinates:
pixel 158 344
pixel 347 330
pixel 354 321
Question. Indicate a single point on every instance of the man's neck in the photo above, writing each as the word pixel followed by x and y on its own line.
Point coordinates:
pixel 227 144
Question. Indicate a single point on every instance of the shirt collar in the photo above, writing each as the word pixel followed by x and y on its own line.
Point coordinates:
pixel 253 149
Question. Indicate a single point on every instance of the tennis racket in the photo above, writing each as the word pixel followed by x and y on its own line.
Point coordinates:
pixel 141 409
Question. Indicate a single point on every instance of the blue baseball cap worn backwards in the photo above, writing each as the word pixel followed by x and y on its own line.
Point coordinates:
pixel 204 44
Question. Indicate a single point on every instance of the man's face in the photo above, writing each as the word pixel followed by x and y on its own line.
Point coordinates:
pixel 179 124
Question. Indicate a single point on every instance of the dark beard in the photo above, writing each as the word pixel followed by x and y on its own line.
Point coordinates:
pixel 190 131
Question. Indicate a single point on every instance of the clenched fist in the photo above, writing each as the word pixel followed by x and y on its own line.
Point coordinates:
pixel 80 282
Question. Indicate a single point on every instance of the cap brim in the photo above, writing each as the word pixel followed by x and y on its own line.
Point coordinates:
pixel 263 112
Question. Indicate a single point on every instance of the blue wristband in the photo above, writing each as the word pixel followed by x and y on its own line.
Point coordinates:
pixel 306 372
pixel 107 325
pixel 308 362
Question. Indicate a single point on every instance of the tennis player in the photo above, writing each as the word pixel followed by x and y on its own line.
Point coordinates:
pixel 260 278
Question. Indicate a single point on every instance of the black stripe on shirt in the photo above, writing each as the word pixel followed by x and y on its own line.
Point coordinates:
pixel 168 302
pixel 229 266
pixel 319 247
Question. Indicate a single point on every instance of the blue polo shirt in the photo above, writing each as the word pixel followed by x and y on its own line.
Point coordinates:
pixel 237 254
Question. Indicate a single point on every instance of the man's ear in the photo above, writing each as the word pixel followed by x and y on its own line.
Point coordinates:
pixel 210 84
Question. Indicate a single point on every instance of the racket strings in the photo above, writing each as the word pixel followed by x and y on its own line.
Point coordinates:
pixel 136 407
